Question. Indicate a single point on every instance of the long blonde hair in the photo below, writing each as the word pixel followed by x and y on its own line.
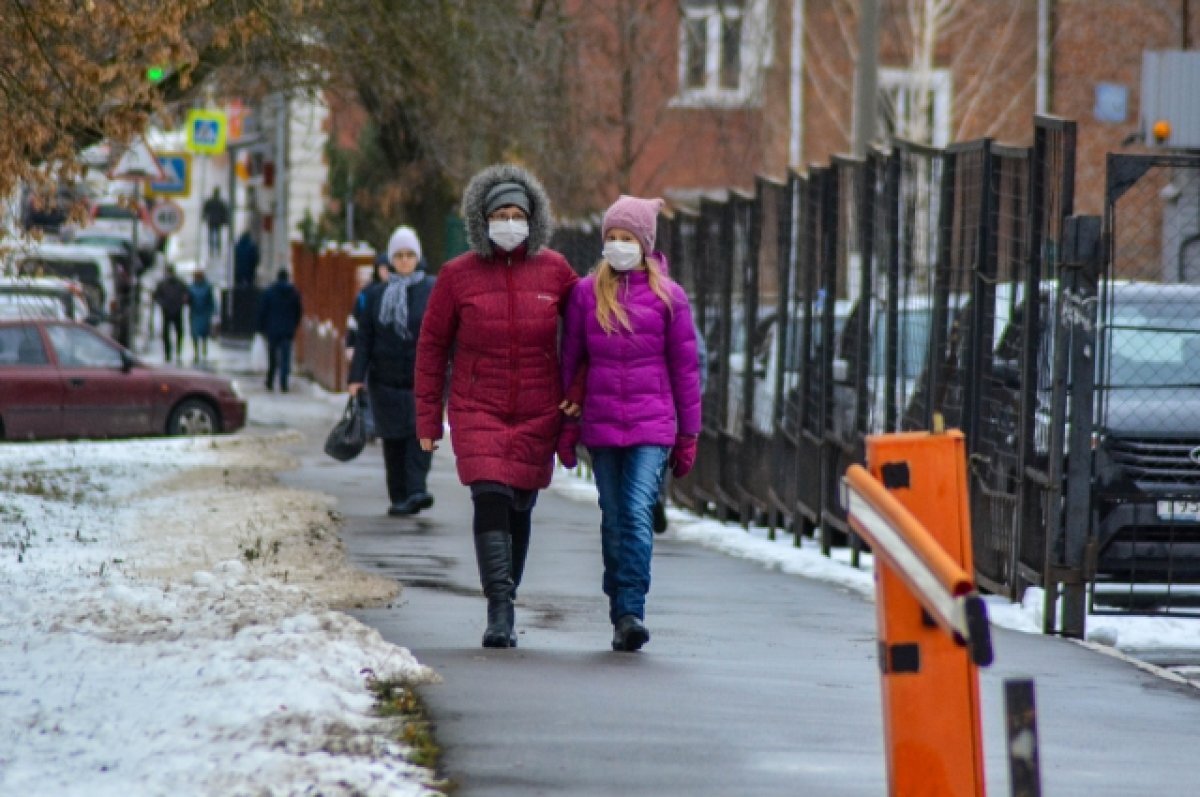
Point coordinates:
pixel 608 305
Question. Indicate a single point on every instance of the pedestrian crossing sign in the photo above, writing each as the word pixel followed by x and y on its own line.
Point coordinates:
pixel 206 131
pixel 177 167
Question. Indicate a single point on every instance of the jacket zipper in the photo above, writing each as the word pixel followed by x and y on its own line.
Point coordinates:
pixel 512 341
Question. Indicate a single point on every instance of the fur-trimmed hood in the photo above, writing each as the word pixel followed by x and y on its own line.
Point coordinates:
pixel 541 222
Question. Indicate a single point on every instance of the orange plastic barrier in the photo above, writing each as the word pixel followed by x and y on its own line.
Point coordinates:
pixel 911 508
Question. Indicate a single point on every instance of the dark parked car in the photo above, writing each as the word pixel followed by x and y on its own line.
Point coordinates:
pixel 61 378
pixel 1147 470
pixel 1146 434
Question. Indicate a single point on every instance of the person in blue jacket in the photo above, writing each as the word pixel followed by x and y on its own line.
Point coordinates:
pixel 201 307
pixel 279 312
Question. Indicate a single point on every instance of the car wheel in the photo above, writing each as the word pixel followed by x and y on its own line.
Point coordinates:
pixel 193 417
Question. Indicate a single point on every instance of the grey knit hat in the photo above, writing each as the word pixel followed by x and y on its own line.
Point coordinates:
pixel 506 193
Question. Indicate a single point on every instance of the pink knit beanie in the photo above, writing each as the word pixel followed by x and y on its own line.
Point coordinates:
pixel 637 215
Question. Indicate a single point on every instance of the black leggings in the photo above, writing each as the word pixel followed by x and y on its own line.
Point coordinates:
pixel 495 512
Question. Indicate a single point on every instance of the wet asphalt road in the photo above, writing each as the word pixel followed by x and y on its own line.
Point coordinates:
pixel 754 683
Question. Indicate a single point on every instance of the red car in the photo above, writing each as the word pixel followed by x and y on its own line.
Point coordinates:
pixel 60 378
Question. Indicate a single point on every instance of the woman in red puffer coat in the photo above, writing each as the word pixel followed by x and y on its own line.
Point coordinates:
pixel 493 317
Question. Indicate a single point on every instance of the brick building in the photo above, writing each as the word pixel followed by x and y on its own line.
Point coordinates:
pixel 700 94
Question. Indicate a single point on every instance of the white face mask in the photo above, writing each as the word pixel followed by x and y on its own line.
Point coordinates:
pixel 508 234
pixel 622 255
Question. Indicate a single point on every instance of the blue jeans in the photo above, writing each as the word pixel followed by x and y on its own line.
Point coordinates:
pixel 628 480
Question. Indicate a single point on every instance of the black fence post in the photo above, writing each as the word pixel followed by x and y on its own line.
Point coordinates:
pixel 891 270
pixel 1024 766
pixel 1078 297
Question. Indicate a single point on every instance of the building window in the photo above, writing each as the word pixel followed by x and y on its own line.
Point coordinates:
pixel 723 46
pixel 915 109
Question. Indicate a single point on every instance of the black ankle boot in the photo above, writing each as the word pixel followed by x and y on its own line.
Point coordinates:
pixel 629 634
pixel 493 553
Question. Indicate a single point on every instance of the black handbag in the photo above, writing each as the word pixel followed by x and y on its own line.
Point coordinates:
pixel 348 437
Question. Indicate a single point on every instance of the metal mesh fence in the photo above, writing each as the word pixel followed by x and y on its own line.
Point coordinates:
pixel 994 457
pixel 1043 397
pixel 762 394
pixel 1147 463
pixel 847 278
pixel 923 201
pixel 870 296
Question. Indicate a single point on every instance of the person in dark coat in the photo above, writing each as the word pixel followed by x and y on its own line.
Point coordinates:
pixel 385 355
pixel 279 312
pixel 245 259
pixel 381 270
pixel 171 295
pixel 495 311
pixel 216 218
pixel 201 306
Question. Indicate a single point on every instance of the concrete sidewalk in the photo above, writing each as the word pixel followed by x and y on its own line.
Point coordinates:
pixel 754 683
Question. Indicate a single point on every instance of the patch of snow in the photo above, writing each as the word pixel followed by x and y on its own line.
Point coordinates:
pixel 222 679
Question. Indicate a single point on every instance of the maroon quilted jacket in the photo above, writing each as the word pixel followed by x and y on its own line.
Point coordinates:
pixel 494 318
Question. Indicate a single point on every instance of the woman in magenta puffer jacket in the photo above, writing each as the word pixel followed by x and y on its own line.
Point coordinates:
pixel 495 311
pixel 632 326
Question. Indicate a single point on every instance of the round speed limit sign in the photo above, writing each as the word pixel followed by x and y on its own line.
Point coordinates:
pixel 167 217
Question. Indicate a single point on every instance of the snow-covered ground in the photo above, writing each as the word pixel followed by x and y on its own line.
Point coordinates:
pixel 209 594
pixel 1155 638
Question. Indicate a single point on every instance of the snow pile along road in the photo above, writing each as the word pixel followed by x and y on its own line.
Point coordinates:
pixel 168 627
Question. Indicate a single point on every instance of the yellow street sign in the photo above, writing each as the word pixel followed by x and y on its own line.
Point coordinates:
pixel 206 131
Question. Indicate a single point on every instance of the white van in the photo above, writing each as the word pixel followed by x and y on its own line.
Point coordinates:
pixel 105 286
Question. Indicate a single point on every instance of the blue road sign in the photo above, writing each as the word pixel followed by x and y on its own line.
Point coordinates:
pixel 206 130
pixel 178 168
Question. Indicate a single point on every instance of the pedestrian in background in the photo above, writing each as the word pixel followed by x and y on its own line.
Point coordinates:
pixel 378 272
pixel 495 311
pixel 385 356
pixel 216 218
pixel 202 304
pixel 279 312
pixel 633 327
pixel 245 259
pixel 171 295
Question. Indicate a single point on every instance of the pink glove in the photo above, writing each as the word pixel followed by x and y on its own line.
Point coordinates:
pixel 568 438
pixel 683 455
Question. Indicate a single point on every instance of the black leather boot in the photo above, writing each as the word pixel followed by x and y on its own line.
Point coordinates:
pixel 493 553
pixel 519 527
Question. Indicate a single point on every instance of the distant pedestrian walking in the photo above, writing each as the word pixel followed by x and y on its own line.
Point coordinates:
pixel 171 295
pixel 385 357
pixel 633 327
pixel 202 304
pixel 216 218
pixel 245 259
pixel 279 312
pixel 496 310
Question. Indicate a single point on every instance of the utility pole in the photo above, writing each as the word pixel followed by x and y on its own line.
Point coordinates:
pixel 866 84
pixel 282 144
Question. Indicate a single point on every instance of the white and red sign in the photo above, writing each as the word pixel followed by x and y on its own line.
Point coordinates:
pixel 166 217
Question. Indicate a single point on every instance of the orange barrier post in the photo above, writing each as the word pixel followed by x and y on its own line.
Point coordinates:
pixel 911 507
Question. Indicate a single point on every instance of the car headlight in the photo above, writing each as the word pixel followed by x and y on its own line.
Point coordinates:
pixel 236 389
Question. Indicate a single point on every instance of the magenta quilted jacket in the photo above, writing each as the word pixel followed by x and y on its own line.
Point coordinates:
pixel 643 386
